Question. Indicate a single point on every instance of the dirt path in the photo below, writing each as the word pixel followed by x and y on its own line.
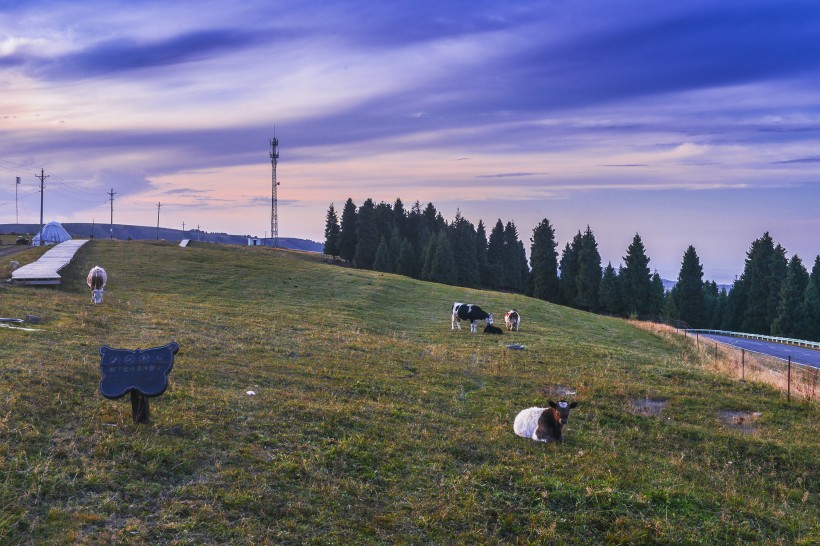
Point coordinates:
pixel 12 249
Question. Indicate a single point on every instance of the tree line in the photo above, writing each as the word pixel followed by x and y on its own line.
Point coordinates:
pixel 773 296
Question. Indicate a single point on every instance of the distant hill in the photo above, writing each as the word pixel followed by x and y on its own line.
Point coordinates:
pixel 669 285
pixel 122 231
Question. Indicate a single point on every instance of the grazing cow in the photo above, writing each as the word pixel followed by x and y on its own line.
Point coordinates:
pixel 471 312
pixel 14 265
pixel 512 319
pixel 96 281
pixel 490 329
pixel 544 424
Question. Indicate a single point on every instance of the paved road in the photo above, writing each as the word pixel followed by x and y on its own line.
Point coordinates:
pixel 800 355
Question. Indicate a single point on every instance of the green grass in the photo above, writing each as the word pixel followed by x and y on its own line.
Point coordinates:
pixel 372 421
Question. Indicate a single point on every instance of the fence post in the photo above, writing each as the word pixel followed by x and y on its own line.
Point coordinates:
pixel 789 387
pixel 697 340
pixel 716 354
pixel 743 364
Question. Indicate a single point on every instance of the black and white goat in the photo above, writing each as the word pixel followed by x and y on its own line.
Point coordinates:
pixel 544 424
pixel 96 281
pixel 471 312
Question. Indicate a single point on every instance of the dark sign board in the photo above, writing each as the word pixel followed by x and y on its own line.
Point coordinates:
pixel 142 371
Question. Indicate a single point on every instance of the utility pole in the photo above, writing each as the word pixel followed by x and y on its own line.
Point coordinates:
pixel 42 178
pixel 16 210
pixel 111 195
pixel 158 207
pixel 274 214
pixel 183 229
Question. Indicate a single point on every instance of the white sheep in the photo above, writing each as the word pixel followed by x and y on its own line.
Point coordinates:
pixel 96 281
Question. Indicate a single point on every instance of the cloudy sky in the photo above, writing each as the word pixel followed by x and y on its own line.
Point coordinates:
pixel 690 122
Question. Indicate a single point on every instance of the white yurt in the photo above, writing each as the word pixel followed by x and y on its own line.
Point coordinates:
pixel 53 233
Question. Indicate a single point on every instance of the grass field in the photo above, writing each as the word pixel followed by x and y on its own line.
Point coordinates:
pixel 372 421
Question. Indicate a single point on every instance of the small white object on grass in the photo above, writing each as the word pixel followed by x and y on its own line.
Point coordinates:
pixel 251 393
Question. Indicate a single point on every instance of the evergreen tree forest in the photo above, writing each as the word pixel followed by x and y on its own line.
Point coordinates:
pixel 773 296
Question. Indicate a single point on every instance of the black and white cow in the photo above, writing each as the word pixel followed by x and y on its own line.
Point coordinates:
pixel 471 312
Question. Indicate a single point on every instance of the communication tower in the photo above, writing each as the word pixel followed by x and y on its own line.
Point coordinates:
pixel 274 220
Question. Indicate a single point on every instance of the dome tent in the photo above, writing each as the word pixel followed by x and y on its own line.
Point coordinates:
pixel 53 233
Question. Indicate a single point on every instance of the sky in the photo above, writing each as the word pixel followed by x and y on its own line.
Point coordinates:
pixel 688 123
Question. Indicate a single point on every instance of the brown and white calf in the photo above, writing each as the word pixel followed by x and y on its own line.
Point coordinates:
pixel 544 424
pixel 512 319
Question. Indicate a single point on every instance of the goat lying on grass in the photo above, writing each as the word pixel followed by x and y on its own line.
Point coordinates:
pixel 544 424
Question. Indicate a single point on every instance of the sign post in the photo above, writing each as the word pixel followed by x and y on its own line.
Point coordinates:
pixel 143 373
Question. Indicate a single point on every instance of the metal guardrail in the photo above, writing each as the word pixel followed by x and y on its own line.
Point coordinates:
pixel 773 339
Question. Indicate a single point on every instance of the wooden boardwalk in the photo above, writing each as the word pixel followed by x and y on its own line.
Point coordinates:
pixel 45 270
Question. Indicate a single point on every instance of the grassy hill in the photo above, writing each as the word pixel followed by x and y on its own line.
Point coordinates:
pixel 372 422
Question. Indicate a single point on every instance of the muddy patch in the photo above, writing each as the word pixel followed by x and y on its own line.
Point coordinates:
pixel 741 421
pixel 559 391
pixel 648 407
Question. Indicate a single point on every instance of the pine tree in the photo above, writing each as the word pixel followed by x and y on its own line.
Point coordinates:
pixel 544 262
pixel 789 320
pixel 481 253
pixel 429 254
pixel 609 294
pixel 400 217
pixel 761 285
pixel 384 260
pixel 811 305
pixel 719 317
pixel 463 239
pixel 657 295
pixel 588 277
pixel 636 279
pixel 367 235
pixel 385 220
pixel 735 306
pixel 568 281
pixel 711 295
pixel 406 260
pixel 332 231
pixel 513 277
pixel 496 257
pixel 689 291
pixel 524 268
pixel 347 234
pixel 443 268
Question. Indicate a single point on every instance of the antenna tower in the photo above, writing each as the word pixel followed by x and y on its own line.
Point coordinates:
pixel 274 220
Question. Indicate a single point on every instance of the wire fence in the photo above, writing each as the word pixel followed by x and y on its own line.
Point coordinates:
pixel 796 380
